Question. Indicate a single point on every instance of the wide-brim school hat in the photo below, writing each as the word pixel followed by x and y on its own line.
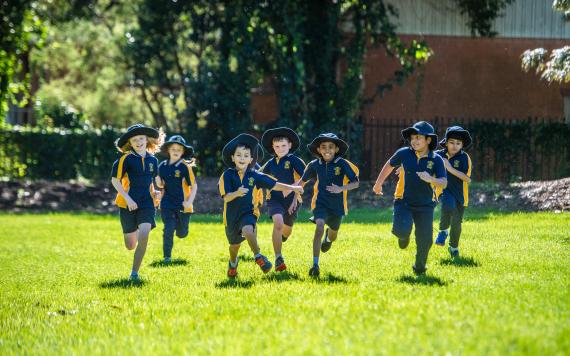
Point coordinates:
pixel 269 135
pixel 179 140
pixel 242 140
pixel 459 133
pixel 421 128
pixel 136 130
pixel 327 137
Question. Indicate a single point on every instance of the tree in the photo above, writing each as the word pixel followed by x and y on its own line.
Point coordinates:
pixel 556 66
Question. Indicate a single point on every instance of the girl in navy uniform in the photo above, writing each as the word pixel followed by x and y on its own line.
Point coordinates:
pixel 239 186
pixel 335 176
pixel 287 168
pixel 176 177
pixel 455 197
pixel 415 198
pixel 132 177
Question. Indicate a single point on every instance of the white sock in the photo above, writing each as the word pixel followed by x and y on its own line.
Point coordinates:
pixel 278 255
pixel 454 249
pixel 234 264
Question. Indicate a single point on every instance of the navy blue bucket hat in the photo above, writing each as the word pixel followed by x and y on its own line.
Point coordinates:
pixel 459 133
pixel 327 137
pixel 135 130
pixel 188 150
pixel 242 140
pixel 421 128
pixel 269 135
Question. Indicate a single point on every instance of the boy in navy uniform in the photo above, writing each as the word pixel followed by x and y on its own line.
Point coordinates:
pixel 335 176
pixel 415 198
pixel 176 177
pixel 455 197
pixel 237 187
pixel 132 177
pixel 286 168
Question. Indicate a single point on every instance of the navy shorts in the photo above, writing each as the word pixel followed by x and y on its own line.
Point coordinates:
pixel 282 207
pixel 130 220
pixel 233 231
pixel 331 218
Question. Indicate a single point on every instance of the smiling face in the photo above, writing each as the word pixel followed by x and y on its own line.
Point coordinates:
pixel 454 145
pixel 175 151
pixel 281 146
pixel 138 143
pixel 419 142
pixel 327 150
pixel 242 157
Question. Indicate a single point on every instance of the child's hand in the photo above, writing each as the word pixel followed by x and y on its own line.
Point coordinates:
pixel 334 189
pixel 377 189
pixel 293 207
pixel 425 176
pixel 399 171
pixel 132 205
pixel 241 191
pixel 157 195
pixel 298 189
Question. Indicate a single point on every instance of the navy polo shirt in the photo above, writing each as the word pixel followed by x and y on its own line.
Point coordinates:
pixel 136 174
pixel 410 187
pixel 339 172
pixel 179 181
pixel 288 170
pixel 253 180
pixel 457 188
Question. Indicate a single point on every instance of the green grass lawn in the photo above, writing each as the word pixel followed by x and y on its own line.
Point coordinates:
pixel 63 290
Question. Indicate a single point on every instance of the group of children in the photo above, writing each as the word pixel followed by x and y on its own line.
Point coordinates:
pixel 425 175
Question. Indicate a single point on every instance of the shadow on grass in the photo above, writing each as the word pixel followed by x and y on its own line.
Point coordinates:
pixel 282 277
pixel 424 279
pixel 235 283
pixel 331 279
pixel 460 262
pixel 241 258
pixel 124 283
pixel 172 263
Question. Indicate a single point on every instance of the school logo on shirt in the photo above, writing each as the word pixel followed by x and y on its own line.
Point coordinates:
pixel 337 171
pixel 251 182
pixel 151 167
pixel 430 165
pixel 455 164
pixel 177 173
pixel 287 165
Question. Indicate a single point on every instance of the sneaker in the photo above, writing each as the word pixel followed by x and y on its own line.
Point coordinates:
pixel 284 238
pixel 280 264
pixel 441 237
pixel 134 277
pixel 403 242
pixel 419 271
pixel 326 245
pixel 263 263
pixel 232 271
pixel 454 252
pixel 315 271
pixel 167 260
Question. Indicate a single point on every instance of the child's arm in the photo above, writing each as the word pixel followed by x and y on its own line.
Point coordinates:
pixel 280 187
pixel 384 173
pixel 159 182
pixel 464 177
pixel 119 188
pixel 437 182
pixel 188 202
pixel 237 194
pixel 333 188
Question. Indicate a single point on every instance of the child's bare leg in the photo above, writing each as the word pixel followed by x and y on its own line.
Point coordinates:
pixel 249 233
pixel 234 252
pixel 319 231
pixel 287 230
pixel 131 240
pixel 277 233
pixel 332 235
pixel 143 232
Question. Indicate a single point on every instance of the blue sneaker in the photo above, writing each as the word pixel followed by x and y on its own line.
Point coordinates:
pixel 326 245
pixel 315 271
pixel 441 237
pixel 454 252
pixel 134 277
pixel 263 263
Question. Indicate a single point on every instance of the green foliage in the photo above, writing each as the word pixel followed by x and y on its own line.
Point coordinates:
pixel 56 154
pixel 64 290
pixel 481 14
